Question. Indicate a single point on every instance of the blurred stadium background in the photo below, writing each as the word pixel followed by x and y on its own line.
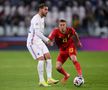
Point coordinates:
pixel 88 17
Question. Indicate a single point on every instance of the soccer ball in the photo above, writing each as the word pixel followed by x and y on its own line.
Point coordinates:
pixel 78 81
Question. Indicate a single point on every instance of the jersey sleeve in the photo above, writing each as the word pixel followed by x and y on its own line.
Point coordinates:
pixel 36 28
pixel 52 35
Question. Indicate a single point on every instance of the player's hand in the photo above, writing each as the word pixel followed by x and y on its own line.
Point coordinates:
pixel 79 44
pixel 50 43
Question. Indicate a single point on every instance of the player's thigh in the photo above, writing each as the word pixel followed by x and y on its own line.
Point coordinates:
pixel 62 57
pixel 72 53
pixel 46 52
pixel 35 51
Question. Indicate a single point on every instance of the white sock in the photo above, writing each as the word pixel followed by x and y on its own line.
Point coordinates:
pixel 49 68
pixel 40 68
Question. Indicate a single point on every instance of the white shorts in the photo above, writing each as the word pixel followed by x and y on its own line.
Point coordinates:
pixel 37 50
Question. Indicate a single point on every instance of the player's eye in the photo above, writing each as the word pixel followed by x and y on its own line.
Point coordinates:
pixel 62 25
pixel 46 9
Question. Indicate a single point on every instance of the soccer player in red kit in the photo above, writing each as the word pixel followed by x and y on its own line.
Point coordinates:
pixel 63 36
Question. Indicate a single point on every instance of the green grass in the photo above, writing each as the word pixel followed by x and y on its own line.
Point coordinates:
pixel 18 71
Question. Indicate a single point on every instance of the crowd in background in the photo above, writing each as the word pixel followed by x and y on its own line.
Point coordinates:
pixel 88 17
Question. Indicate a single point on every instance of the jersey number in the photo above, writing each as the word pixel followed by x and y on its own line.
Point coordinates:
pixel 71 50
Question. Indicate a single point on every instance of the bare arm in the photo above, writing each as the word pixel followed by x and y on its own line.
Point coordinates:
pixel 77 40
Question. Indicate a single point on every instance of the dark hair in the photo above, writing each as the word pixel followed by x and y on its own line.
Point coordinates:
pixel 62 20
pixel 42 5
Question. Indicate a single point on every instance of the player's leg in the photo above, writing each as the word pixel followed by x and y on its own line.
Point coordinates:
pixel 37 55
pixel 60 69
pixel 40 68
pixel 72 54
pixel 30 49
pixel 48 61
pixel 60 61
pixel 76 64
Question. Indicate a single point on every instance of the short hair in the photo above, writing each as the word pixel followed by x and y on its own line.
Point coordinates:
pixel 42 5
pixel 62 20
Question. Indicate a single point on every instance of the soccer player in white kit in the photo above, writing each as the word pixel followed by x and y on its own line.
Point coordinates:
pixel 37 48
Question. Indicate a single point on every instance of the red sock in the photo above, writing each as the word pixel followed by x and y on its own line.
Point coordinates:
pixel 78 68
pixel 62 71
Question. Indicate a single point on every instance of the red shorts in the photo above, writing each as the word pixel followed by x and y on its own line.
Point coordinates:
pixel 64 54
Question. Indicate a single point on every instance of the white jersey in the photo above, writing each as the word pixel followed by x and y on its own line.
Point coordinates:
pixel 35 39
pixel 35 34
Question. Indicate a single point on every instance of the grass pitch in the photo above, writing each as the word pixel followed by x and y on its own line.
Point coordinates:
pixel 18 71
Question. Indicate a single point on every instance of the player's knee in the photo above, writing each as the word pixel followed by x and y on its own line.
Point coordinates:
pixel 73 57
pixel 58 67
pixel 47 56
pixel 74 61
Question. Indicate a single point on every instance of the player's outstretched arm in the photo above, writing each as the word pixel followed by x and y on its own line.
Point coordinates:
pixel 40 35
pixel 78 40
pixel 37 31
pixel 52 37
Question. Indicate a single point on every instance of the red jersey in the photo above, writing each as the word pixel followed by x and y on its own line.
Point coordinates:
pixel 62 40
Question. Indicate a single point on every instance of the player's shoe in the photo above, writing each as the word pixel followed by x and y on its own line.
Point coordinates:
pixel 63 81
pixel 43 84
pixel 52 81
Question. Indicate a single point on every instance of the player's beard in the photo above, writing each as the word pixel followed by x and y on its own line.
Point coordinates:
pixel 45 14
